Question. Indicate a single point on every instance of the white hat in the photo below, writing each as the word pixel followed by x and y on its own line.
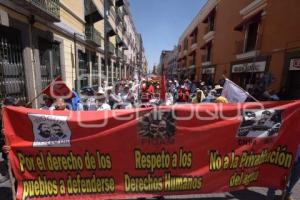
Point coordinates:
pixel 218 87
pixel 100 91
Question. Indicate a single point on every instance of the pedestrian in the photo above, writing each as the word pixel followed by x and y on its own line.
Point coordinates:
pixel 221 99
pixel 199 96
pixel 101 101
pixel 48 101
pixel 211 97
pixel 127 98
pixel 218 90
pixel 59 104
pixel 294 177
pixel 183 95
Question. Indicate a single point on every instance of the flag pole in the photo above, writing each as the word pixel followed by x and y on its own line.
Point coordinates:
pixel 241 88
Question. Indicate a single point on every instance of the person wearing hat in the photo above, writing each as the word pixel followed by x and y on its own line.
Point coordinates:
pixel 199 96
pixel 101 101
pixel 218 89
pixel 127 98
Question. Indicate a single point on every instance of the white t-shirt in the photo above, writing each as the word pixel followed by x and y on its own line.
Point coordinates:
pixel 104 106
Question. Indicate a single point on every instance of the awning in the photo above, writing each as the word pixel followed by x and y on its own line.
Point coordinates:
pixel 253 18
pixel 212 12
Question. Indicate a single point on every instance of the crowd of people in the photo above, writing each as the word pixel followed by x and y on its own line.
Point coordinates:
pixel 128 94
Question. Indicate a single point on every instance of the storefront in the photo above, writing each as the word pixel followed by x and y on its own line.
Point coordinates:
pixel 247 74
pixel 208 75
pixel 293 80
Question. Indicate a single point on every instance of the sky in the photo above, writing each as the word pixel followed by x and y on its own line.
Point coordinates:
pixel 161 23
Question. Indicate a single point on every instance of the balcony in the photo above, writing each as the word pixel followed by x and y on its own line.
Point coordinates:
pixel 248 48
pixel 119 41
pixel 119 3
pixel 92 35
pixel 210 34
pixel 119 53
pixel 111 48
pixel 46 9
pixel 91 12
pixel 120 14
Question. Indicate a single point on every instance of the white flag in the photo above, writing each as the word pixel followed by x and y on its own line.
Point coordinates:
pixel 233 93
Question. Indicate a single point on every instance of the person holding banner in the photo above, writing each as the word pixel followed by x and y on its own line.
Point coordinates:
pixel 59 104
pixel 294 177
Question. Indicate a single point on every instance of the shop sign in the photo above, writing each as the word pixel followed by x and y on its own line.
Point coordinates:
pixel 249 67
pixel 210 70
pixel 295 64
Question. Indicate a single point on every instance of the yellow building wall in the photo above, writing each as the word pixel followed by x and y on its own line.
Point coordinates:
pixel 77 6
pixel 14 14
pixel 67 18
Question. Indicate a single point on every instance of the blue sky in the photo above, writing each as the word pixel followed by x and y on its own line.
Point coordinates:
pixel 161 23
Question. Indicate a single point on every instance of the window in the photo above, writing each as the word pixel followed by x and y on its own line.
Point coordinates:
pixel 251 36
pixel 186 44
pixel 211 23
pixel 208 55
pixel 83 69
pixel 95 70
pixel 11 65
pixel 49 61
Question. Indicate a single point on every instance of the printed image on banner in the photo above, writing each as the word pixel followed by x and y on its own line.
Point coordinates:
pixel 158 124
pixel 50 130
pixel 260 123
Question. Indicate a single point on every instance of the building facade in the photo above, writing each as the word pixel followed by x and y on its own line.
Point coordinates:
pixel 87 42
pixel 252 42
pixel 162 68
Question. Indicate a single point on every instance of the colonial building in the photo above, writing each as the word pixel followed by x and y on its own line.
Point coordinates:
pixel 250 41
pixel 87 42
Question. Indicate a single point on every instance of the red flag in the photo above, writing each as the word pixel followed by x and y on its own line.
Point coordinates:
pixel 163 88
pixel 58 89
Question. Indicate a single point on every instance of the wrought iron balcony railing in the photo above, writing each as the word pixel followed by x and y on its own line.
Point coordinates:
pixel 92 35
pixel 111 48
pixel 119 53
pixel 47 9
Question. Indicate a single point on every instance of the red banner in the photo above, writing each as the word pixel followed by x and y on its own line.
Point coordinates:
pixel 184 149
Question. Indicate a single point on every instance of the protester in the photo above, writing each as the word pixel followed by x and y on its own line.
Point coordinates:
pixel 114 98
pixel 101 101
pixel 221 99
pixel 59 104
pixel 211 97
pixel 183 95
pixel 127 98
pixel 75 103
pixel 218 90
pixel 5 148
pixel 294 177
pixel 199 96
pixel 48 101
